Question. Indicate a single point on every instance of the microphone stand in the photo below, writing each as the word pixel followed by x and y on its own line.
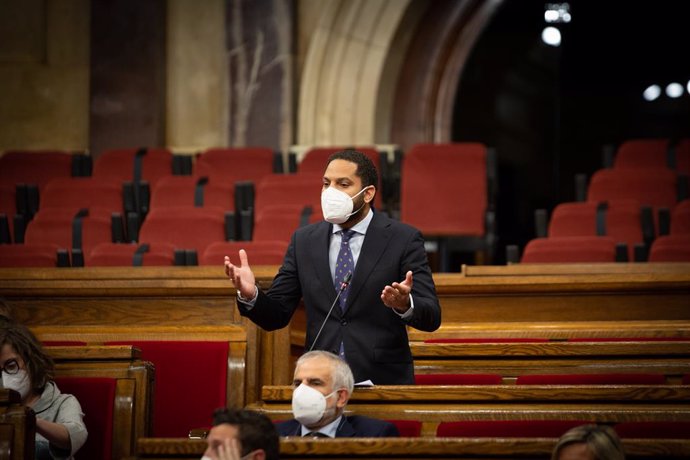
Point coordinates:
pixel 343 285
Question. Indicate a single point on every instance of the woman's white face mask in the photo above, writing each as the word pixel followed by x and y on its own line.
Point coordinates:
pixel 18 382
pixel 337 205
pixel 309 405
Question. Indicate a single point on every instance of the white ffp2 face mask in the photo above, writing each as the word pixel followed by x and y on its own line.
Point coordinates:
pixel 309 405
pixel 337 205
pixel 18 382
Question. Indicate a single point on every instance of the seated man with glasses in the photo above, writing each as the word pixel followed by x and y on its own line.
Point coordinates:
pixel 26 369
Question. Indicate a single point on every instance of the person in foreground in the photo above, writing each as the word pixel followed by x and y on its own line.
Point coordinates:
pixel 369 271
pixel 241 435
pixel 323 385
pixel 60 429
pixel 589 442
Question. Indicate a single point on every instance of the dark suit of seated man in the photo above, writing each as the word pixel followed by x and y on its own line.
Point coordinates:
pixel 323 385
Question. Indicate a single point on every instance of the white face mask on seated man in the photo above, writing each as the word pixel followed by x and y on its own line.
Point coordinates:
pixel 309 406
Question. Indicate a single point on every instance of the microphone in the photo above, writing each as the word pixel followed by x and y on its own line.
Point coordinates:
pixel 343 285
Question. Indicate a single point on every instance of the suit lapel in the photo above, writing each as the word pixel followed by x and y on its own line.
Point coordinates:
pixel 345 430
pixel 375 243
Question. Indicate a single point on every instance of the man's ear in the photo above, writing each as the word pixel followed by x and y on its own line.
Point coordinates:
pixel 259 454
pixel 343 398
pixel 369 194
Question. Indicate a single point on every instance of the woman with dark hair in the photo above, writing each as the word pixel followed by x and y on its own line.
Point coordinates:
pixel 25 368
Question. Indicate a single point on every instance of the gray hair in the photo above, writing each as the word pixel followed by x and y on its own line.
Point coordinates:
pixel 601 440
pixel 341 373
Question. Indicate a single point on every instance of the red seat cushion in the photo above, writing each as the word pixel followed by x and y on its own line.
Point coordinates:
pixel 663 430
pixel 591 379
pixel 191 382
pixel 96 396
pixel 506 428
pixel 487 340
pixel 458 379
pixel 408 428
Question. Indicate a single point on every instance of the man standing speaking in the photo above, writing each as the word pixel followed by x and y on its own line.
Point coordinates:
pixel 369 271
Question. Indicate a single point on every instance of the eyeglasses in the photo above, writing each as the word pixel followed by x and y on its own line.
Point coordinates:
pixel 11 367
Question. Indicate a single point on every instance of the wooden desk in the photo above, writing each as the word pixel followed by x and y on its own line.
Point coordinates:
pixel 510 360
pixel 409 448
pixel 434 404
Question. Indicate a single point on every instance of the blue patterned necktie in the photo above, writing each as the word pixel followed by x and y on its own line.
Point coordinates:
pixel 343 265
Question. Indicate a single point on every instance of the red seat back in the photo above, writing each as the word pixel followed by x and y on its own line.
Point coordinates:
pixel 444 189
pixel 181 191
pixel 122 255
pixel 658 430
pixel 191 382
pixel 258 252
pixel 642 153
pixel 119 164
pixel 230 165
pixel 570 249
pixel 408 428
pixel 96 395
pixel 34 167
pixel 680 218
pixel 184 227
pixel 670 248
pixel 28 255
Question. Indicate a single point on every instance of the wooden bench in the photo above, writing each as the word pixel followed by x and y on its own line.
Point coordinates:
pixel 409 448
pixel 166 346
pixel 98 298
pixel 435 404
pixel 134 386
pixel 17 428
pixel 510 360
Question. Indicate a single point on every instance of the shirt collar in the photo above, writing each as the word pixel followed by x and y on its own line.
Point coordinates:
pixel 329 430
pixel 361 226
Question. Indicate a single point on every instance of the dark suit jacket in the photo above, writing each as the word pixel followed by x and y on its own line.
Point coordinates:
pixel 375 338
pixel 350 427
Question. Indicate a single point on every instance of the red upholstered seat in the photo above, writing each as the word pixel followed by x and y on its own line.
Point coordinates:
pixel 682 151
pixel 34 167
pixel 570 249
pixel 123 255
pixel 230 165
pixel 278 222
pixel 680 218
pixel 642 153
pixel 191 381
pixel 408 428
pixel 29 255
pixel 289 189
pixel 75 193
pixel 591 379
pixel 458 379
pixel 455 175
pixel 506 428
pixel 184 227
pixel 658 430
pixel 192 191
pixel 119 164
pixel 55 226
pixel 96 396
pixel 629 339
pixel 258 252
pixel 670 248
pixel 686 379
pixel 651 187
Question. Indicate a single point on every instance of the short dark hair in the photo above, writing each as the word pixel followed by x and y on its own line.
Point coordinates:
pixel 39 365
pixel 365 167
pixel 255 430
